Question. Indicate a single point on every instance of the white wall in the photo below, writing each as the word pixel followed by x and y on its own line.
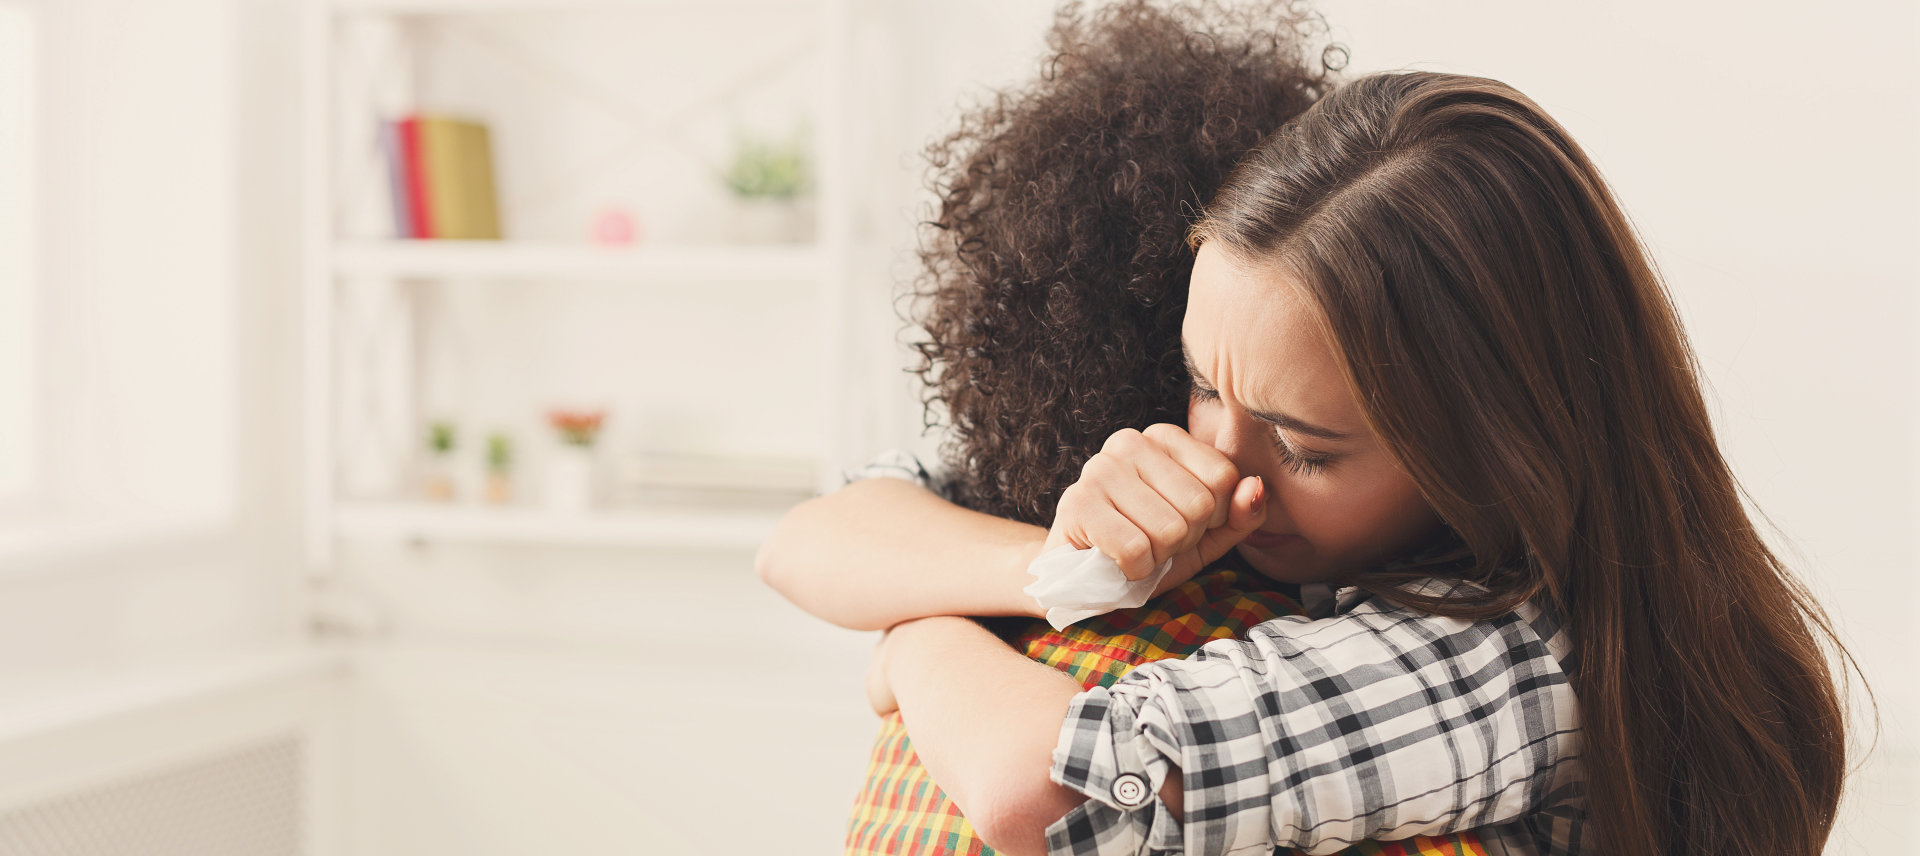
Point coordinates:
pixel 923 62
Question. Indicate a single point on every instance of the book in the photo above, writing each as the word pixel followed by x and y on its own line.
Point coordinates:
pixel 396 159
pixel 458 160
pixel 443 179
pixel 420 221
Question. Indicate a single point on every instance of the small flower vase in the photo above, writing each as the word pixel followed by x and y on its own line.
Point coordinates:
pixel 570 480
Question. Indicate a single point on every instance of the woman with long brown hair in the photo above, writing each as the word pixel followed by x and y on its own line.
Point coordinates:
pixel 1440 373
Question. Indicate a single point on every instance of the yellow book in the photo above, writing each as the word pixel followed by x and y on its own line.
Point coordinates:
pixel 458 162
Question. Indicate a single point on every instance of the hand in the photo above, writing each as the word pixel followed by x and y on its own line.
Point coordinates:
pixel 1157 494
pixel 879 690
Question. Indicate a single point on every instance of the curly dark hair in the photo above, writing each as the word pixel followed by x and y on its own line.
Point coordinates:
pixel 1056 267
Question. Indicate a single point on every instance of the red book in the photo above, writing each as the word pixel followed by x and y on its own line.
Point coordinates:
pixel 416 172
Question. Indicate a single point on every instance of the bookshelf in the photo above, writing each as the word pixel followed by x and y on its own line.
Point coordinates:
pixel 522 260
pixel 459 7
pixel 368 297
pixel 665 525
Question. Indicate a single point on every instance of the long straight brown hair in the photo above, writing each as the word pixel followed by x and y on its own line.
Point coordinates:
pixel 1512 345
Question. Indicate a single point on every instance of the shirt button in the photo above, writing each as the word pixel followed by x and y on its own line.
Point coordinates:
pixel 1130 790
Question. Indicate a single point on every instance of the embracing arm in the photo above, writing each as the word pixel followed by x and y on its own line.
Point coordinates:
pixel 884 550
pixel 984 721
pixel 1377 724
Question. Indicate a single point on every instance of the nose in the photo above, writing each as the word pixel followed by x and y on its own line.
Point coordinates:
pixel 1239 439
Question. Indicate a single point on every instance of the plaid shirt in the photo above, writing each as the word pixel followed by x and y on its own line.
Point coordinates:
pixel 1370 721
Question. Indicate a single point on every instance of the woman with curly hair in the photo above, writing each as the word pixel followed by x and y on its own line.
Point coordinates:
pixel 1053 288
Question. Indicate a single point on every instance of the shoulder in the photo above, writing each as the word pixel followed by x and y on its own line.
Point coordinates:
pixel 903 465
pixel 1374 646
pixel 1535 618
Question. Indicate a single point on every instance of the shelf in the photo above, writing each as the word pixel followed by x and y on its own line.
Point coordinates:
pixel 683 525
pixel 464 7
pixel 510 260
pixel 385 319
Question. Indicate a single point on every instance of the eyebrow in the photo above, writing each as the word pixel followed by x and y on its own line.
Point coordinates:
pixel 1279 420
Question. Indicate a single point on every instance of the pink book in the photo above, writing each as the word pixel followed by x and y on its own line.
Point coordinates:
pixel 416 173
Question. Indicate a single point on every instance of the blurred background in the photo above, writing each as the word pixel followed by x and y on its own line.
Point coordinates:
pixel 393 392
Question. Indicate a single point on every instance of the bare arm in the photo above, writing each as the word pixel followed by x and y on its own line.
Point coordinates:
pixel 984 720
pixel 881 551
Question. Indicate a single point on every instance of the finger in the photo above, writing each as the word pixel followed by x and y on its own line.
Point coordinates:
pixel 1111 532
pixel 1182 491
pixel 1247 513
pixel 1208 465
pixel 1167 530
pixel 1113 479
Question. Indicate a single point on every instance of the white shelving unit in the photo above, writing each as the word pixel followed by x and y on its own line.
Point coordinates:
pixel 665 526
pixel 360 288
pixel 493 259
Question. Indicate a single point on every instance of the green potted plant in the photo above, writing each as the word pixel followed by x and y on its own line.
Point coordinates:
pixel 770 180
pixel 442 439
pixel 499 468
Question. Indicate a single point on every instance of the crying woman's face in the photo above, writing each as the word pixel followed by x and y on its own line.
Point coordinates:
pixel 1270 394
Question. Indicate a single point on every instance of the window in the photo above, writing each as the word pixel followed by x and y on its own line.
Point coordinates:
pixel 119 372
pixel 18 345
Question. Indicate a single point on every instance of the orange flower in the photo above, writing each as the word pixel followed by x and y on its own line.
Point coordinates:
pixel 576 427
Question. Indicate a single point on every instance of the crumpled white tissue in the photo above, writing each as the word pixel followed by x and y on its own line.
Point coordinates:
pixel 1076 584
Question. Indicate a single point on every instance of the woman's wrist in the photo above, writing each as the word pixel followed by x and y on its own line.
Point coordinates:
pixel 1020 557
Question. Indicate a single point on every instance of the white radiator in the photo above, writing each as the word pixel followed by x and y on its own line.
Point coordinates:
pixel 245 803
pixel 227 758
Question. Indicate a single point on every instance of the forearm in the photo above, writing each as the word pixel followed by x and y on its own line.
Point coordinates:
pixel 984 720
pixel 881 551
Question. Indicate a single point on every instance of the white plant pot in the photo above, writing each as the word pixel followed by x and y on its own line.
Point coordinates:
pixel 772 221
pixel 570 482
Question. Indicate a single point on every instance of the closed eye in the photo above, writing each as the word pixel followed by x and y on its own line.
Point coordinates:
pixel 1300 461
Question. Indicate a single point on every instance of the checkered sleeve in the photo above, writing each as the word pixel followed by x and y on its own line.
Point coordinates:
pixel 1379 722
pixel 903 465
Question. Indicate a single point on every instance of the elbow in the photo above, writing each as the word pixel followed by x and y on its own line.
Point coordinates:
pixel 787 562
pixel 773 562
pixel 766 564
pixel 1013 819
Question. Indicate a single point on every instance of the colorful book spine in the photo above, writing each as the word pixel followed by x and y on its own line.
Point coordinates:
pixel 459 167
pixel 443 179
pixel 397 180
pixel 412 161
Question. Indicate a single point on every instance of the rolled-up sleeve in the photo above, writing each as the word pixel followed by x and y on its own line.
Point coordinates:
pixel 1378 723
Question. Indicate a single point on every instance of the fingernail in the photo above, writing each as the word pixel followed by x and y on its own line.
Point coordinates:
pixel 1259 494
